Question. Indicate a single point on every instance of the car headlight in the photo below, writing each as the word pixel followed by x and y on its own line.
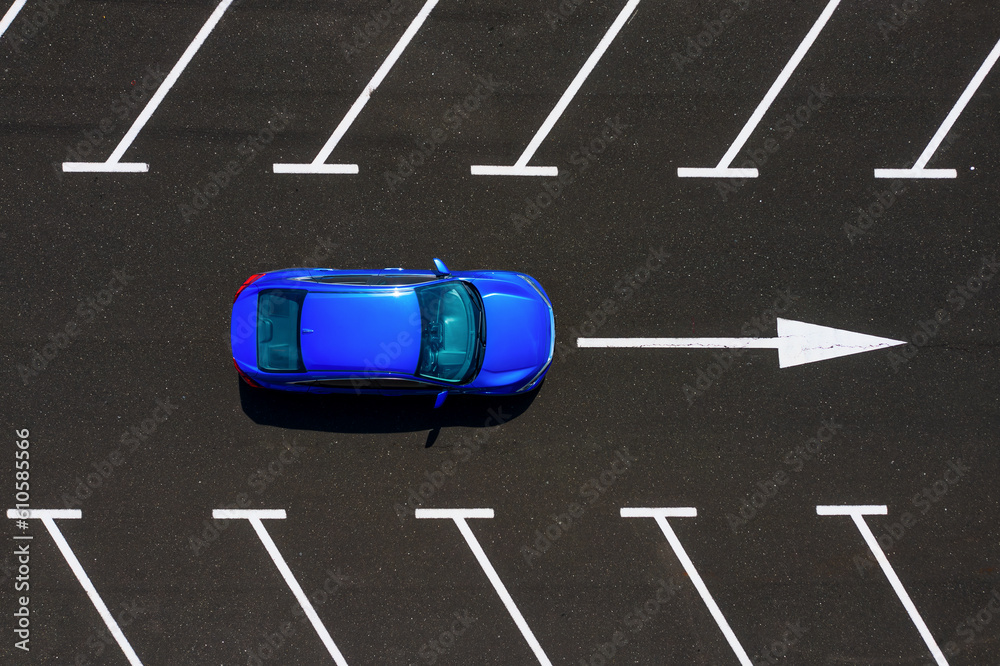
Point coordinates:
pixel 535 287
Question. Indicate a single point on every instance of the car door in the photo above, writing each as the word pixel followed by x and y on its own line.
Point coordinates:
pixel 356 385
pixel 404 386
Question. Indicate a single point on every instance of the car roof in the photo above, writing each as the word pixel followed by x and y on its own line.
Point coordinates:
pixel 361 330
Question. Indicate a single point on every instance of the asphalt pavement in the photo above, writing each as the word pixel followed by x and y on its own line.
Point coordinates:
pixel 646 505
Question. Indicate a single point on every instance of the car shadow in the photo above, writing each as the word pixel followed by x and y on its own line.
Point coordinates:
pixel 378 414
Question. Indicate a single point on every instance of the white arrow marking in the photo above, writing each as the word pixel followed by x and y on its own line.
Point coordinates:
pixel 857 513
pixel 722 169
pixel 11 14
pixel 920 170
pixel 797 343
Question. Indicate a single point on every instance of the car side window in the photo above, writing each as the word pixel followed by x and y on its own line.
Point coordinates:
pixel 343 279
pixel 401 280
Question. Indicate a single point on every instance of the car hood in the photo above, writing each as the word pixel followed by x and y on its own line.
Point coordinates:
pixel 518 333
pixel 365 331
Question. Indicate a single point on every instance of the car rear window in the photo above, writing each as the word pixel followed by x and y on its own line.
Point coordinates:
pixel 279 312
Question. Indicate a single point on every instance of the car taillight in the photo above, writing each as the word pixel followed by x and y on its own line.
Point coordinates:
pixel 246 284
pixel 244 376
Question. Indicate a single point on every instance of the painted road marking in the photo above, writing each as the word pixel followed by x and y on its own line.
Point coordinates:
pixel 521 167
pixel 255 516
pixel 317 166
pixel 797 343
pixel 857 513
pixel 460 516
pixel 661 515
pixel 48 518
pixel 28 514
pixel 114 165
pixel 919 169
pixel 722 169
pixel 11 14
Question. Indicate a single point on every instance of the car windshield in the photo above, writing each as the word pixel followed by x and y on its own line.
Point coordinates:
pixel 452 331
pixel 278 314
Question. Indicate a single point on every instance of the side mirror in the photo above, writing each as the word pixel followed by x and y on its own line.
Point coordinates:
pixel 440 399
pixel 441 269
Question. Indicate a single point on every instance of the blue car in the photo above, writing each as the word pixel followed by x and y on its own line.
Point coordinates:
pixel 393 331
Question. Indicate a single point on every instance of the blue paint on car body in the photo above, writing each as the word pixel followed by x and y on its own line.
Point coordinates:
pixel 393 331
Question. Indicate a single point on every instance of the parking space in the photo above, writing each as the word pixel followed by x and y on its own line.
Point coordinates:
pixel 767 231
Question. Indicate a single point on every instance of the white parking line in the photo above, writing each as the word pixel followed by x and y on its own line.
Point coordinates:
pixel 11 14
pixel 520 167
pixel 661 515
pixel 27 514
pixel 113 164
pixel 48 518
pixel 919 169
pixel 722 169
pixel 317 166
pixel 255 516
pixel 857 513
pixel 460 516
